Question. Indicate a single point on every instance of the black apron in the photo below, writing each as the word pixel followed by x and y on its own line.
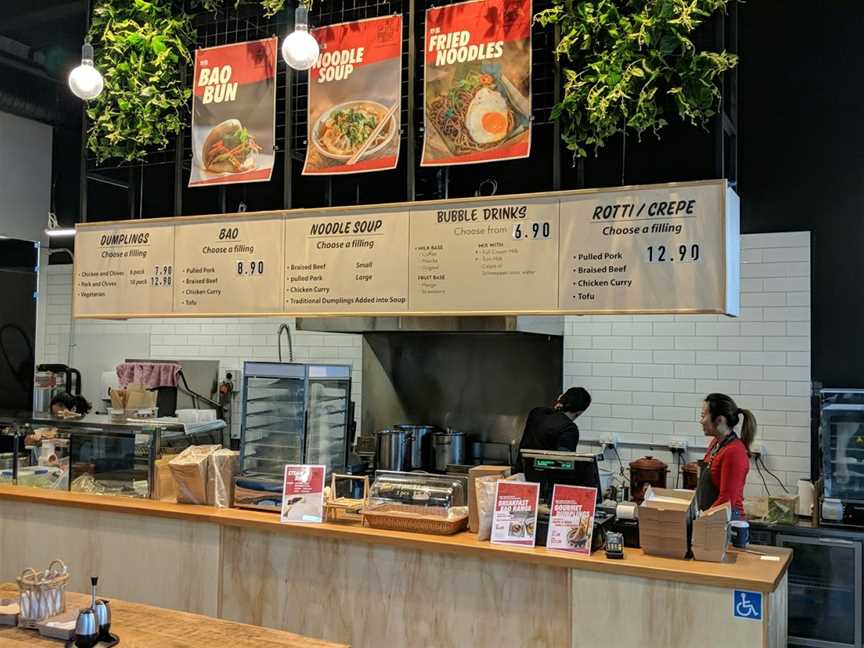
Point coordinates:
pixel 706 492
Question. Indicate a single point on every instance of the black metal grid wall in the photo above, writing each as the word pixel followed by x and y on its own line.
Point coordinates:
pixel 408 181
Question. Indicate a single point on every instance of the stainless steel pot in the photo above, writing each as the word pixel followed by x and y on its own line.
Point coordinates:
pixel 6 459
pixel 421 445
pixel 448 448
pixel 394 449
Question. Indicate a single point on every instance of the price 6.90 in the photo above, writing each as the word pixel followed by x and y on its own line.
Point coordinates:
pixel 540 230
pixel 250 268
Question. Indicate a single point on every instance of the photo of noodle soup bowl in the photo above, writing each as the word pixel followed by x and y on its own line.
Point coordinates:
pixel 340 132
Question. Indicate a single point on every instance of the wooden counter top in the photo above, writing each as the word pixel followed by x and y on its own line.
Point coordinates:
pixel 145 626
pixel 743 570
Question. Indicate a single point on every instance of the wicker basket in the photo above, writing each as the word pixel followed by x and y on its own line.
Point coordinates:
pixel 396 517
pixel 42 594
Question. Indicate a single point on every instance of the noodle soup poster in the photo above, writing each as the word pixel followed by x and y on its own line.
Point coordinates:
pixel 477 94
pixel 234 113
pixel 355 95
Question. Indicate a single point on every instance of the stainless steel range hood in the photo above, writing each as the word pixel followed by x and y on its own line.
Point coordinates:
pixel 540 325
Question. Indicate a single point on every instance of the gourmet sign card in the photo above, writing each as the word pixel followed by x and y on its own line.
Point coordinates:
pixel 514 520
pixel 571 520
pixel 477 95
pixel 234 113
pixel 355 95
pixel 303 494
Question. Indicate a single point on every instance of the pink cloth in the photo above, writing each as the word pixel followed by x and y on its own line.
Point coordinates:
pixel 149 374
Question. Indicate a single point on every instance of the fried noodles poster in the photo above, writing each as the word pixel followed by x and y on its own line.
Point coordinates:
pixel 355 91
pixel 234 113
pixel 477 95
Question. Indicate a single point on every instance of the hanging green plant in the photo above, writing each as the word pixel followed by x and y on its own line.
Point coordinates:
pixel 625 64
pixel 140 46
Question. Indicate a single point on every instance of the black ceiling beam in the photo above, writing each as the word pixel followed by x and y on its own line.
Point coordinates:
pixel 39 17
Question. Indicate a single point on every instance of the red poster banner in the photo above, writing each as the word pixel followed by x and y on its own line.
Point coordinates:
pixel 303 493
pixel 234 113
pixel 477 93
pixel 355 96
pixel 571 519
pixel 514 519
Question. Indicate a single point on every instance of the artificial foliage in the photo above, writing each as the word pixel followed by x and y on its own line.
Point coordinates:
pixel 140 46
pixel 629 65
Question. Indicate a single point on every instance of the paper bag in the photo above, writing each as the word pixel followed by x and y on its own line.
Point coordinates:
pixel 224 466
pixel 190 470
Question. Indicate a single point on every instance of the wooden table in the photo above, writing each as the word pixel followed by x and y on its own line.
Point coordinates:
pixel 145 626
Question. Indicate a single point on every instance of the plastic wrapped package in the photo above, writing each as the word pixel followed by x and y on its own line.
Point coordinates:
pixel 224 466
pixel 485 487
pixel 190 470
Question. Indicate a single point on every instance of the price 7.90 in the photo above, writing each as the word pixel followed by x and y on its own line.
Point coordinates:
pixel 686 253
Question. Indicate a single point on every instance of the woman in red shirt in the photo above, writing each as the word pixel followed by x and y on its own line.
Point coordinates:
pixel 727 462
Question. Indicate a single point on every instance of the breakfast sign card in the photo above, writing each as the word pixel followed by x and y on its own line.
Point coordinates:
pixel 234 113
pixel 355 97
pixel 514 519
pixel 303 494
pixel 571 519
pixel 477 75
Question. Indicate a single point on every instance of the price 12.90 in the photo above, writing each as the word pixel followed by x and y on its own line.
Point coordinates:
pixel 250 268
pixel 685 253
pixel 162 276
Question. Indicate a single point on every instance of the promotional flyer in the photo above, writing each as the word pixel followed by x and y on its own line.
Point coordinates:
pixel 234 113
pixel 477 94
pixel 355 91
pixel 571 519
pixel 514 520
pixel 303 494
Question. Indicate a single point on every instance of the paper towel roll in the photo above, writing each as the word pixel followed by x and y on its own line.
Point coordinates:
pixel 806 495
pixel 626 511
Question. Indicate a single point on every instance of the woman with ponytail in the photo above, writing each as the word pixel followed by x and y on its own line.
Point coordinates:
pixel 727 462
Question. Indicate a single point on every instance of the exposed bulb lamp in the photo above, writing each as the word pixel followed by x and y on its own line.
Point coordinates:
pixel 54 230
pixel 300 49
pixel 85 81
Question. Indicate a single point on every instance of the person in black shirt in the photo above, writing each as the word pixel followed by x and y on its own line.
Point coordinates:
pixel 552 428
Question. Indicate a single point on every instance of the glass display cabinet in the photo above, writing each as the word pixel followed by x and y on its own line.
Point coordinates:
pixel 842 448
pixel 291 414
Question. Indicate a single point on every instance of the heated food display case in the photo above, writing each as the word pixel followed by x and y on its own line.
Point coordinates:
pixel 291 414
pixel 841 442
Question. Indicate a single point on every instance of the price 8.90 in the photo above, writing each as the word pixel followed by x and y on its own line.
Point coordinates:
pixel 684 253
pixel 532 231
pixel 250 268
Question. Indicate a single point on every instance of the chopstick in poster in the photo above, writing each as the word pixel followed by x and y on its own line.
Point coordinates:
pixel 384 121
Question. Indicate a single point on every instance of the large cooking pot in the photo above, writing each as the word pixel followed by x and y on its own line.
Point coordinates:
pixel 645 472
pixel 7 459
pixel 394 449
pixel 421 445
pixel 448 447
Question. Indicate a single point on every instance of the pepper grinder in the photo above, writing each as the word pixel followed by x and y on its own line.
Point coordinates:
pixel 103 612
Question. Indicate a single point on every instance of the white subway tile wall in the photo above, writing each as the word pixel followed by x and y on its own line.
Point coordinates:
pixel 231 341
pixel 649 374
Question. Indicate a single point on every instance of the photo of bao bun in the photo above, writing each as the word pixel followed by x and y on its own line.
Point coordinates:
pixel 229 148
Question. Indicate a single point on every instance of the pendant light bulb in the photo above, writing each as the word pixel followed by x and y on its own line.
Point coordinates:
pixel 300 49
pixel 85 81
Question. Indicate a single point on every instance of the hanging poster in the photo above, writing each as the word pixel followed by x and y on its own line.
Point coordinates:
pixel 477 95
pixel 514 518
pixel 303 494
pixel 571 519
pixel 355 95
pixel 234 113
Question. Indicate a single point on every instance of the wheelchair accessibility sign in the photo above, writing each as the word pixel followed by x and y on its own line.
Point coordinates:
pixel 747 605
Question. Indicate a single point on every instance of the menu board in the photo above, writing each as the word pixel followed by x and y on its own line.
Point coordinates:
pixel 571 518
pixel 228 267
pixel 476 258
pixel 641 251
pixel 514 519
pixel 124 269
pixel 653 249
pixel 303 494
pixel 346 264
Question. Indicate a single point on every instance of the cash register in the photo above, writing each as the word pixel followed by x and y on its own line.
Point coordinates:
pixel 550 467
